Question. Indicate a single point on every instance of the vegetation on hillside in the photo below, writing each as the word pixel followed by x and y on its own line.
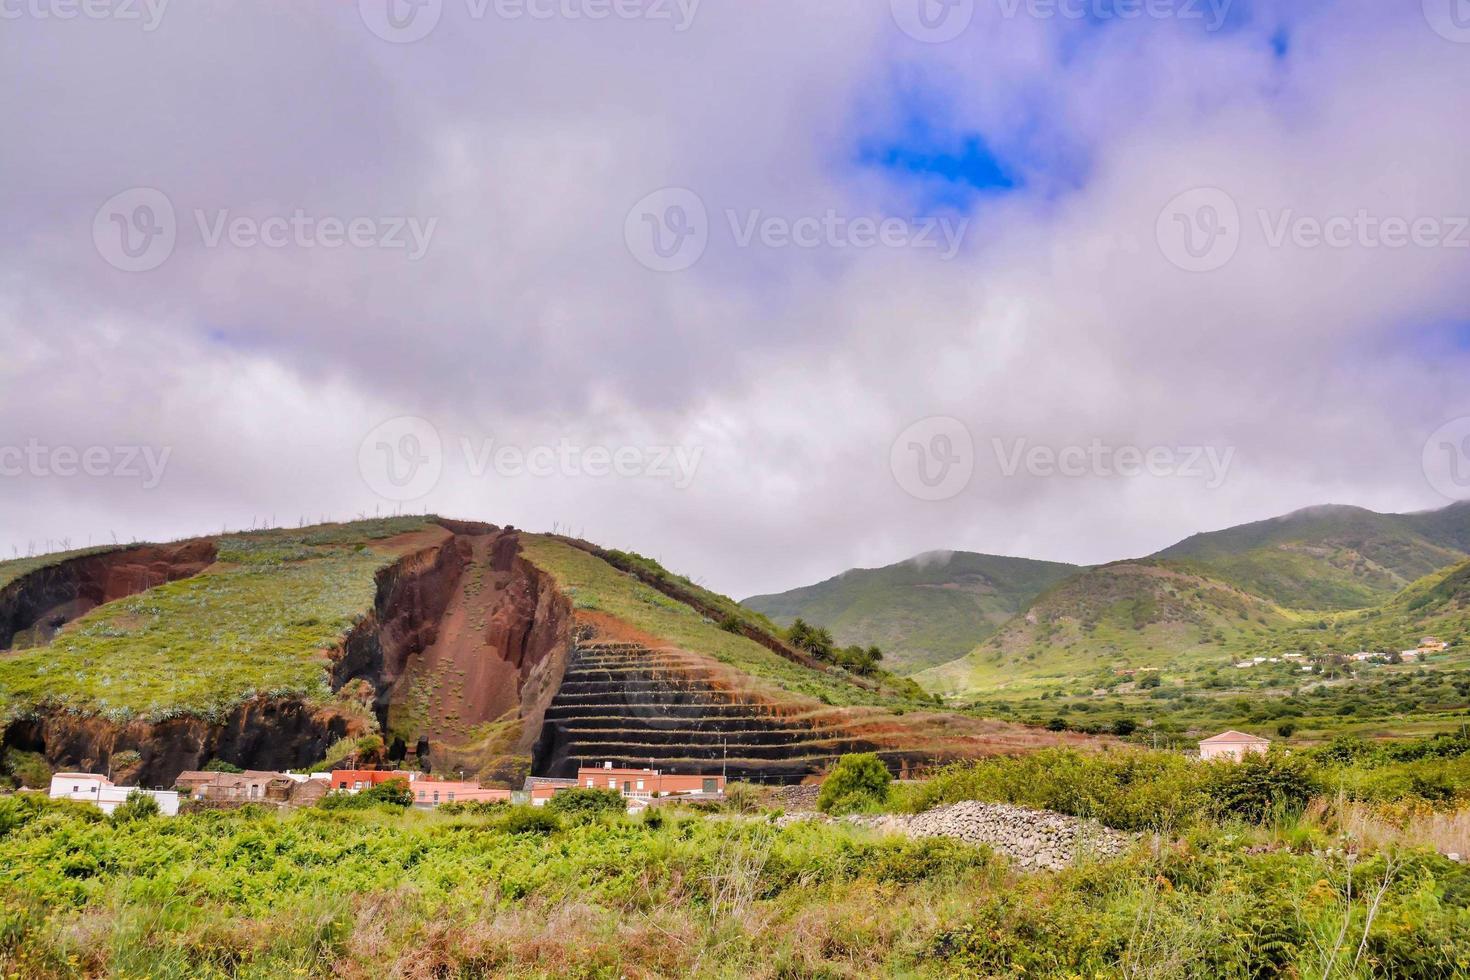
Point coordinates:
pixel 596 586
pixel 258 622
pixel 921 612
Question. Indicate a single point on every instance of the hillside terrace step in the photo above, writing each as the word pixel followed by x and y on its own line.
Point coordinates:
pixel 679 713
pixel 641 672
pixel 632 663
pixel 642 667
pixel 664 696
pixel 575 686
pixel 769 753
pixel 655 732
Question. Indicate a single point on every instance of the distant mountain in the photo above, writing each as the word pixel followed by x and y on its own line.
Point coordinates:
pixel 922 612
pixel 961 621
pixel 1332 557
pixel 1121 616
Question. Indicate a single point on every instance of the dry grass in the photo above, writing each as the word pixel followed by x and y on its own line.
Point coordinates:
pixel 1384 826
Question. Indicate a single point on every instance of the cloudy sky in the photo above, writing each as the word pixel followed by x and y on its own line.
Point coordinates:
pixel 765 289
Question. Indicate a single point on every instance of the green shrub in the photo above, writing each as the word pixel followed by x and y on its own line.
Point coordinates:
pixel 1131 789
pixel 389 793
pixel 30 769
pixel 856 783
pixel 585 803
pixel 1262 785
pixel 529 820
pixel 138 806
pixel 220 765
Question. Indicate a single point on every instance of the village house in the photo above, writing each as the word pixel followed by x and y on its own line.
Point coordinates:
pixel 89 787
pixel 431 792
pixel 1232 745
pixel 1433 644
pixel 353 780
pixel 233 787
pixel 648 783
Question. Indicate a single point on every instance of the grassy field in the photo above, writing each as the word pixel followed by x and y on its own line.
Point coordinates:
pixel 257 622
pixel 594 585
pixel 518 893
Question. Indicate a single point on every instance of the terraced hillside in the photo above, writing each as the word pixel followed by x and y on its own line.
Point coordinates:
pixel 471 648
pixel 922 612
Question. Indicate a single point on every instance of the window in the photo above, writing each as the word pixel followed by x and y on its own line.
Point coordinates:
pixel 591 783
pixel 451 796
pixel 436 796
pixel 627 786
pixel 640 784
pixel 612 784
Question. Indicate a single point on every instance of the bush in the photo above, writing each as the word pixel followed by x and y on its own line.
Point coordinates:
pixel 586 803
pixel 1131 789
pixel 857 782
pixel 220 765
pixel 389 793
pixel 30 769
pixel 1262 785
pixel 138 806
pixel 529 820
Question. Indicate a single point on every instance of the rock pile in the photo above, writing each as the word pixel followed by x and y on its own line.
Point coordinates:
pixel 1030 838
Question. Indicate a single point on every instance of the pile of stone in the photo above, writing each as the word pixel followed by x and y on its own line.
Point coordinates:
pixel 1030 838
pixel 793 799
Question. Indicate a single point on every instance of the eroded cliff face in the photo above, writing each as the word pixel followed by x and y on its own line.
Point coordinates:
pixel 259 734
pixel 35 606
pixel 510 643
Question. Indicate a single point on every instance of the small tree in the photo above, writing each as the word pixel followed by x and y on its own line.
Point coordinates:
pixel 138 806
pixel 394 792
pixel 587 802
pixel 857 782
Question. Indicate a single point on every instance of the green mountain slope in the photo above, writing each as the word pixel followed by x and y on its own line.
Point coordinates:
pixel 923 611
pixel 1117 617
pixel 1332 557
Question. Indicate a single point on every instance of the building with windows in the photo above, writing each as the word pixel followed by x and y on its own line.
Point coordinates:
pixel 1232 745
pixel 649 783
pixel 429 793
pixel 89 787
pixel 354 780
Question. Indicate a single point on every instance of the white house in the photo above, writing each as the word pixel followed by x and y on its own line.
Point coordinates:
pixel 92 788
pixel 1231 745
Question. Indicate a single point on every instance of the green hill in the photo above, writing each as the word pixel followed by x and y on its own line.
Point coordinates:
pixel 1117 617
pixel 1331 557
pixel 922 612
